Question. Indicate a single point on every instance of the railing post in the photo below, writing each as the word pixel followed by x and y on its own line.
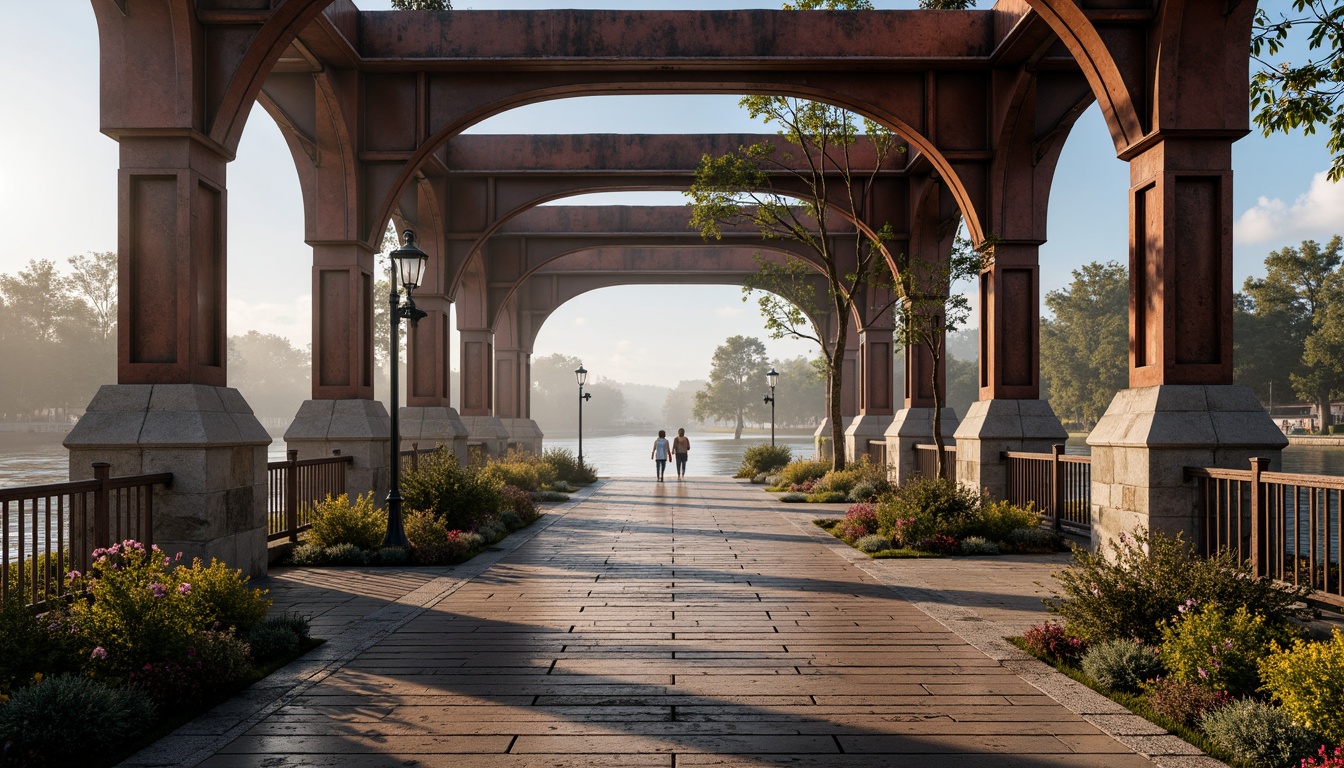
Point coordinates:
pixel 1056 486
pixel 292 494
pixel 101 525
pixel 1258 505
pixel 415 457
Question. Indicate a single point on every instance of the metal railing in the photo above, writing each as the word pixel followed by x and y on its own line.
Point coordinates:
pixel 926 461
pixel 1057 485
pixel 52 529
pixel 1287 526
pixel 294 486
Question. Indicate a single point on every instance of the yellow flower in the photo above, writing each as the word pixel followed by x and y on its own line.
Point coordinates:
pixel 37 677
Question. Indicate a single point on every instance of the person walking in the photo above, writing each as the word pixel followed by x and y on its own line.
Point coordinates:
pixel 661 451
pixel 681 445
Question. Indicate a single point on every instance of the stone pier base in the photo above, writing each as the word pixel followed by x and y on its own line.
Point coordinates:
pixel 486 433
pixel 359 428
pixel 911 427
pixel 211 442
pixel 430 427
pixel 1147 438
pixel 865 429
pixel 523 433
pixel 994 426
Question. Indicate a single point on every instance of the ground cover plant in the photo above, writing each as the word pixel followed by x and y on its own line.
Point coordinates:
pixel 1201 647
pixel 760 461
pixel 142 642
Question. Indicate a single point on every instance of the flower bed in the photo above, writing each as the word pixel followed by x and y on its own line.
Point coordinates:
pixel 143 643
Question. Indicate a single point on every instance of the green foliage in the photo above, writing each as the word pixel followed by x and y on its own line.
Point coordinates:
pixel 222 658
pixel 862 491
pixel 219 597
pixel 549 496
pixel 997 519
pixel 1222 651
pixel 764 458
pixel 434 543
pixel 1286 97
pixel 1259 734
pixel 923 503
pixel 269 642
pixel 1054 642
pixel 336 521
pixel 567 469
pixel 1033 539
pixel 521 469
pixel 864 470
pixel 800 471
pixel 1140 582
pixel 860 521
pixel 827 497
pixel 736 375
pixel 1085 344
pixel 422 5
pixel 555 390
pixel 462 497
pixel 30 644
pixel 793 498
pixel 872 543
pixel 1121 665
pixel 1181 702
pixel 65 718
pixel 518 504
pixel 1308 680
pixel 978 545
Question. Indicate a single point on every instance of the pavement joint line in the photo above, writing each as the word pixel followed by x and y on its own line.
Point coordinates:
pixel 191 744
pixel 988 636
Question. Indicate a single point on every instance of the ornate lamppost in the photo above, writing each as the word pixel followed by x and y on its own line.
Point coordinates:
pixel 407 268
pixel 772 376
pixel 582 376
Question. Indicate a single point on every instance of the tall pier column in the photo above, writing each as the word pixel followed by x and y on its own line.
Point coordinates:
pixel 876 396
pixel 912 425
pixel 484 428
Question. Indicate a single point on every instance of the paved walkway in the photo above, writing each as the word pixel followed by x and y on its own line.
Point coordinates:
pixel 675 624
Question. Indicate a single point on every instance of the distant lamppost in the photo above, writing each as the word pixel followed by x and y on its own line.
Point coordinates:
pixel 408 269
pixel 772 376
pixel 582 376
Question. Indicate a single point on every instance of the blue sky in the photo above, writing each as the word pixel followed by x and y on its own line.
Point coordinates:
pixel 58 198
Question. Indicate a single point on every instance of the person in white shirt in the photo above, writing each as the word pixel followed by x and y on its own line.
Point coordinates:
pixel 661 451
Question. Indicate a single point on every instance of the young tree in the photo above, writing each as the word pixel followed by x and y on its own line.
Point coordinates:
pixel 93 279
pixel 735 383
pixel 555 393
pixel 801 393
pixel 273 374
pixel 1299 286
pixel 1085 347
pixel 679 407
pixel 422 5
pixel 1287 97
pixel 1268 347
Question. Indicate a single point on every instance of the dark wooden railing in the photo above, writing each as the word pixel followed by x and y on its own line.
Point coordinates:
pixel 410 460
pixel 926 461
pixel 1057 485
pixel 52 529
pixel 293 486
pixel 1287 526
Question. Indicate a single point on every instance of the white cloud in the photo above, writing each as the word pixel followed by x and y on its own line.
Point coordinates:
pixel 293 320
pixel 1314 214
pixel 729 311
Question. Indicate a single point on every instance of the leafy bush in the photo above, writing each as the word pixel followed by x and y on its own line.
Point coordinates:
pixel 220 598
pixel 1259 734
pixel 793 498
pixel 873 542
pixel 168 684
pixel 860 520
pixel 551 496
pixel 943 504
pixel 1033 539
pixel 1053 641
pixel 978 545
pixel 863 470
pixel 291 622
pixel 996 520
pixel 336 521
pixel 939 543
pixel 764 458
pixel 863 491
pixel 391 556
pixel 433 543
pixel 308 555
pixel 463 497
pixel 1308 679
pixel 801 471
pixel 760 478
pixel 221 658
pixel 1144 578
pixel 271 641
pixel 510 519
pixel 65 718
pixel 567 467
pixel 1221 651
pixel 559 486
pixel 906 531
pixel 517 502
pixel 1121 665
pixel 826 497
pixel 521 469
pixel 30 644
pixel 1183 702
pixel 491 531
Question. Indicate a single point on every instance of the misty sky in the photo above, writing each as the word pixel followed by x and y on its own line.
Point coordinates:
pixel 58 198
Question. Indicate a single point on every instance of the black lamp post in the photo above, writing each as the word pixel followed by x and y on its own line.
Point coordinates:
pixel 582 376
pixel 772 376
pixel 408 269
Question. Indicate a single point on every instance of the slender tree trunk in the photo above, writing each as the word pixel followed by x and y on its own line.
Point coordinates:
pixel 1323 403
pixel 837 402
pixel 737 430
pixel 937 416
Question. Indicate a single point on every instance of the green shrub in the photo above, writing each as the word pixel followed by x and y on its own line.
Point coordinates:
pixel 389 556
pixel 943 504
pixel 861 471
pixel 996 520
pixel 336 521
pixel 345 554
pixel 1259 734
pixel 521 469
pixel 549 496
pixel 826 497
pixel 1053 641
pixel 510 519
pixel 1222 651
pixel 978 545
pixel 764 458
pixel 308 556
pixel 223 658
pixel 30 644
pixel 800 471
pixel 793 498
pixel 491 531
pixel 873 542
pixel 1121 665
pixel 292 622
pixel 567 467
pixel 64 719
pixel 1308 679
pixel 272 641
pixel 434 543
pixel 1033 539
pixel 518 503
pixel 1182 702
pixel 220 598
pixel 864 490
pixel 463 497
pixel 860 520
pixel 559 486
pixel 1130 591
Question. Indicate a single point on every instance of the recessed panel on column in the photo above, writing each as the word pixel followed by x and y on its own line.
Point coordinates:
pixel 1017 301
pixel 987 323
pixel 1146 325
pixel 366 327
pixel 208 258
pixel 153 269
pixel 474 378
pixel 1198 271
pixel 506 397
pixel 445 360
pixel 334 327
pixel 879 389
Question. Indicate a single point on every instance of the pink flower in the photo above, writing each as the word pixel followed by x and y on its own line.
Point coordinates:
pixel 157 589
pixel 98 653
pixel 1202 673
pixel 184 589
pixel 73 575
pixel 167 562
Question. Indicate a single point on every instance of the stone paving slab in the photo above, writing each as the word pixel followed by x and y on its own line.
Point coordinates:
pixel 678 624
